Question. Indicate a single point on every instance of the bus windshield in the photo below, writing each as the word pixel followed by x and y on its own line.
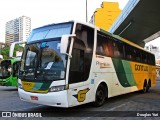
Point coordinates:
pixel 5 69
pixel 43 61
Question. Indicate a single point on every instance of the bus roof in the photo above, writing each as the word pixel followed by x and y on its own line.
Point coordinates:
pixel 71 21
pixel 93 26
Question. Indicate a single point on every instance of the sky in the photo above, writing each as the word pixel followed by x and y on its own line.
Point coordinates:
pixel 43 12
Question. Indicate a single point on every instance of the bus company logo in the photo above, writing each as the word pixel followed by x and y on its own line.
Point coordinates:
pixel 81 96
pixel 103 65
pixel 141 67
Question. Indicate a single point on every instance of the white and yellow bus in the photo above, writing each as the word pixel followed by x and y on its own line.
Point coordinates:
pixel 72 63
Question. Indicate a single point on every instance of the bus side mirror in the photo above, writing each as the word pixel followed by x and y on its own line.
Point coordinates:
pixel 64 43
pixel 11 51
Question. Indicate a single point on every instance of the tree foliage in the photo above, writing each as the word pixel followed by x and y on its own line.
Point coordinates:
pixel 5 51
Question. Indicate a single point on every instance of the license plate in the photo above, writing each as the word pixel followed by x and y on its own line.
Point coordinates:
pixel 34 98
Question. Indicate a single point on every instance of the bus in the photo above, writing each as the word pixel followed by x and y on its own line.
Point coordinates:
pixel 9 68
pixel 73 63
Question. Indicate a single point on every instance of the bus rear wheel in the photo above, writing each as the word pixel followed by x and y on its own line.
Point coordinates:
pixel 100 96
pixel 148 86
pixel 145 87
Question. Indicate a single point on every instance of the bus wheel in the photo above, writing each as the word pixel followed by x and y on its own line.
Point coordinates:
pixel 148 86
pixel 145 87
pixel 100 96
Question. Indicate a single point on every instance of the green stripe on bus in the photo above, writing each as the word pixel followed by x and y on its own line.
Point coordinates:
pixel 128 72
pixel 45 86
pixel 37 86
pixel 124 72
pixel 41 86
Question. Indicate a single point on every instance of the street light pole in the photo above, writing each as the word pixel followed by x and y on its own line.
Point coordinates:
pixel 86 12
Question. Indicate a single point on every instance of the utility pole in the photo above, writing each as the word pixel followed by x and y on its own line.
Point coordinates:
pixel 86 12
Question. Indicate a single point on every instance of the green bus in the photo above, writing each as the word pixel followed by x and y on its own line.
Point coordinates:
pixel 9 72
pixel 9 68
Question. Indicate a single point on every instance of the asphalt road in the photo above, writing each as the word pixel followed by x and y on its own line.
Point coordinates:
pixel 129 106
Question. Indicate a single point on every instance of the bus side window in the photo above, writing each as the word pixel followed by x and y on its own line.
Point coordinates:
pixel 116 52
pixel 138 56
pixel 144 59
pixel 110 48
pixel 86 34
pixel 100 45
pixel 16 67
pixel 81 54
pixel 118 49
pixel 77 63
pixel 133 54
pixel 153 60
pixel 129 55
pixel 104 45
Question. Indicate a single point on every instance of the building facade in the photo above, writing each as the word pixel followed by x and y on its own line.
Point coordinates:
pixel 153 49
pixel 105 16
pixel 18 29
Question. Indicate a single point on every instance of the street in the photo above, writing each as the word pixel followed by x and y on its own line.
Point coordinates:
pixel 129 105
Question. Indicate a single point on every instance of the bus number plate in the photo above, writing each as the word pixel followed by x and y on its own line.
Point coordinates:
pixel 34 98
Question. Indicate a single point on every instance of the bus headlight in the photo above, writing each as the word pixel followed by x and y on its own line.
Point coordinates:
pixel 19 85
pixel 57 88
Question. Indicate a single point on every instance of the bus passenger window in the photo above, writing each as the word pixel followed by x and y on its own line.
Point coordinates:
pixel 133 54
pixel 138 56
pixel 104 45
pixel 77 66
pixel 128 52
pixel 110 48
pixel 100 45
pixel 107 46
pixel 100 50
pixel 116 51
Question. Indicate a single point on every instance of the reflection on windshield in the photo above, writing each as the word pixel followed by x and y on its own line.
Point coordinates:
pixel 43 61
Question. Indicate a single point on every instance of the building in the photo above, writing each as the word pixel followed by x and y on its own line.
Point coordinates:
pixel 18 29
pixel 105 16
pixel 154 50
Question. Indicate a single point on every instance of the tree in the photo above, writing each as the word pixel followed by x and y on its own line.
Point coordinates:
pixel 5 51
pixel 17 48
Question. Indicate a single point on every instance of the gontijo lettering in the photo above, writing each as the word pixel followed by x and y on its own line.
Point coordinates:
pixel 141 67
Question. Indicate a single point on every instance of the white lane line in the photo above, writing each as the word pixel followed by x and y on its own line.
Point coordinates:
pixel 111 109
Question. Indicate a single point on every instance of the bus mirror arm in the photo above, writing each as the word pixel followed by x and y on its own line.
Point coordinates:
pixel 70 56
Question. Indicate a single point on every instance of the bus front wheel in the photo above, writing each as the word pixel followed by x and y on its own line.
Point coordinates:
pixel 100 96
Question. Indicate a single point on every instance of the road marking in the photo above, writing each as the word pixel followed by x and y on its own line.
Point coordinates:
pixel 111 109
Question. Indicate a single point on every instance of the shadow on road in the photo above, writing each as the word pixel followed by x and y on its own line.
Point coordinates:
pixel 4 88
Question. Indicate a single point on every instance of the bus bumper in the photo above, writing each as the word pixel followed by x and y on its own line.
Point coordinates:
pixel 57 99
